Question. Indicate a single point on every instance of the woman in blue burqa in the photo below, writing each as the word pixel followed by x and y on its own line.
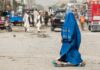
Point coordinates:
pixel 71 39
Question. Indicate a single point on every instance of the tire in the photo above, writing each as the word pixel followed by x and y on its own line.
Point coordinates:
pixel 52 28
pixel 91 28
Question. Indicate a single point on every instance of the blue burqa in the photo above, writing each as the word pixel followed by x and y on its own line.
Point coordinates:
pixel 71 39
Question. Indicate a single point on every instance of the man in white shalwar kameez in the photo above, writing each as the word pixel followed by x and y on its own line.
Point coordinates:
pixel 36 13
pixel 26 21
pixel 38 24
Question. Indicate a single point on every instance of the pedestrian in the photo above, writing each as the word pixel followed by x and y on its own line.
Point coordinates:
pixel 8 25
pixel 26 21
pixel 46 18
pixel 31 18
pixel 82 22
pixel 39 22
pixel 71 39
pixel 12 13
pixel 35 13
pixel 76 14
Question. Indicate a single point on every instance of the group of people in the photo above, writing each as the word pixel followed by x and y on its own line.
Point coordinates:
pixel 36 18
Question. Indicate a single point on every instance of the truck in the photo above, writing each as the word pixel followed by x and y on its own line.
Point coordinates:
pixel 16 20
pixel 94 15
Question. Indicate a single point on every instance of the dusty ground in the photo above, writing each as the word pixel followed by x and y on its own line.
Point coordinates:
pixel 32 51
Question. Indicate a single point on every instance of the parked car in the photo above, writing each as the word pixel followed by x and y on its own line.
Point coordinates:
pixel 58 19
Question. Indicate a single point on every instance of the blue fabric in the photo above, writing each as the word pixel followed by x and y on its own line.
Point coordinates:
pixel 71 39
pixel 16 19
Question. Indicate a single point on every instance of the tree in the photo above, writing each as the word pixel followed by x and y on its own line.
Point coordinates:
pixel 8 5
pixel 1 5
pixel 15 5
